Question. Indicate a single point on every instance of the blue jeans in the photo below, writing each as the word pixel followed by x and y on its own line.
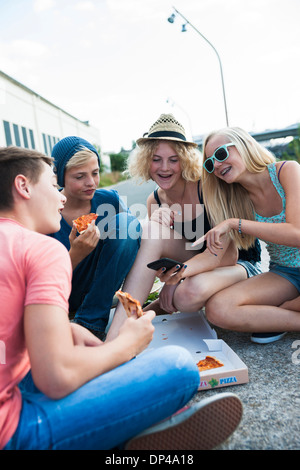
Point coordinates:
pixel 289 273
pixel 100 275
pixel 111 409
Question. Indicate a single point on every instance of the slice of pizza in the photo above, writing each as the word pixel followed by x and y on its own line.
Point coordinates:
pixel 82 222
pixel 209 362
pixel 131 305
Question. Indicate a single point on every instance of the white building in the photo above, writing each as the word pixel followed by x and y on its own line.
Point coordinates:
pixel 29 120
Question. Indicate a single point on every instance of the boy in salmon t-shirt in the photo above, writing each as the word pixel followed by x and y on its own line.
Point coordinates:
pixel 60 386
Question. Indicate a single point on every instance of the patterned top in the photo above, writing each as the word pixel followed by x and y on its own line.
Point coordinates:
pixel 279 254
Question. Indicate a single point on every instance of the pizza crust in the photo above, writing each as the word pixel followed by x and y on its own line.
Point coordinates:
pixel 131 305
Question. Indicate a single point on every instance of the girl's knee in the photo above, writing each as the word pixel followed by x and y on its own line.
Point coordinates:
pixel 191 295
pixel 219 311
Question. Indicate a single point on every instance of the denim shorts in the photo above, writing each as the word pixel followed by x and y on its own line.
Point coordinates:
pixel 291 274
pixel 252 268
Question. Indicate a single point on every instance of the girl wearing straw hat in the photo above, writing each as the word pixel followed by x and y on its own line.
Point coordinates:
pixel 177 217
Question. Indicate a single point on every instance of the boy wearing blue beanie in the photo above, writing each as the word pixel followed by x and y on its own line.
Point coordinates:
pixel 103 255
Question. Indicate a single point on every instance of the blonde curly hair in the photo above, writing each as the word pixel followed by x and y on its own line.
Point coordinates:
pixel 139 161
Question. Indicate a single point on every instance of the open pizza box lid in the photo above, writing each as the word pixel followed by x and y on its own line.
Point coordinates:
pixel 192 331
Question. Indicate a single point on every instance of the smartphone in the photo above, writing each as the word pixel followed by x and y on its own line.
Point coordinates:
pixel 164 263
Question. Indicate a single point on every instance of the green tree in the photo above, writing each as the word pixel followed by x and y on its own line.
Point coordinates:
pixel 102 166
pixel 118 160
pixel 293 149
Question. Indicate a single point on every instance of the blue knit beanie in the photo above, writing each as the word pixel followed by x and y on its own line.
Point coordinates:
pixel 64 150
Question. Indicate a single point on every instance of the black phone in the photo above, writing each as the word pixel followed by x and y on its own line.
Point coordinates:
pixel 164 263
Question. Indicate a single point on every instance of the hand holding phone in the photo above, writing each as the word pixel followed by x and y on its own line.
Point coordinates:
pixel 167 263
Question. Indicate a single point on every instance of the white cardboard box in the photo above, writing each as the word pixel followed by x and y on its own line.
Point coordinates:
pixel 192 331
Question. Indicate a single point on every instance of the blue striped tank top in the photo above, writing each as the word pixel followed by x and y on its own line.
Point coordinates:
pixel 279 254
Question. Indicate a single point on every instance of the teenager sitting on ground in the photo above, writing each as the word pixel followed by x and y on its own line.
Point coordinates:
pixel 260 198
pixel 103 255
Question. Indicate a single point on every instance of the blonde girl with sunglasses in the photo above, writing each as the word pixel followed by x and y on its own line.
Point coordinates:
pixel 251 195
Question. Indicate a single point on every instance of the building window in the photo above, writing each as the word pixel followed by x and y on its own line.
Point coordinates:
pixel 17 135
pixel 32 139
pixel 50 143
pixel 45 144
pixel 25 139
pixel 7 133
pixel 18 138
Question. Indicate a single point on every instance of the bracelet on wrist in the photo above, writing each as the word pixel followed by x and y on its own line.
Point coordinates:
pixel 240 228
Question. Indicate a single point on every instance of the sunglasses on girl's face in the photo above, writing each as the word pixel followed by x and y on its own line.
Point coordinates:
pixel 221 154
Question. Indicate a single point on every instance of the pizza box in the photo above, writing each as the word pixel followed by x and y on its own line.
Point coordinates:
pixel 192 331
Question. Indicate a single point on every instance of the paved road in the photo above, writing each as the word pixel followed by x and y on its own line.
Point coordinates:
pixel 135 196
pixel 271 399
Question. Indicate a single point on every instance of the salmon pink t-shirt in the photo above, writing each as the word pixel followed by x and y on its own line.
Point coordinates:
pixel 34 269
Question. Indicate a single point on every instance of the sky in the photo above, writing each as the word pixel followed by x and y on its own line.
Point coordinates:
pixel 119 64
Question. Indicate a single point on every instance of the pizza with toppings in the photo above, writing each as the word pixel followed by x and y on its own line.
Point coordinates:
pixel 131 305
pixel 82 222
pixel 209 362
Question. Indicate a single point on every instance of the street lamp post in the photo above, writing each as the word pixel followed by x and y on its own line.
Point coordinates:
pixel 171 19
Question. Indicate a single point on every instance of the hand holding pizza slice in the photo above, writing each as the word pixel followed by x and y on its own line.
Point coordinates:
pixel 131 305
pixel 82 222
pixel 81 246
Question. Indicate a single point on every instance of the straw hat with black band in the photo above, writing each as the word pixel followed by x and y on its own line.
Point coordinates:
pixel 166 128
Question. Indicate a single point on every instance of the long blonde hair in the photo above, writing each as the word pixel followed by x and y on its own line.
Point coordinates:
pixel 224 201
pixel 139 160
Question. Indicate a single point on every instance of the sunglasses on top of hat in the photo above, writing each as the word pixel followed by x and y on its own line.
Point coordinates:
pixel 220 154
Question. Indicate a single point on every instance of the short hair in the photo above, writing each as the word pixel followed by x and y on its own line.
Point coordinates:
pixel 80 158
pixel 139 160
pixel 18 161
